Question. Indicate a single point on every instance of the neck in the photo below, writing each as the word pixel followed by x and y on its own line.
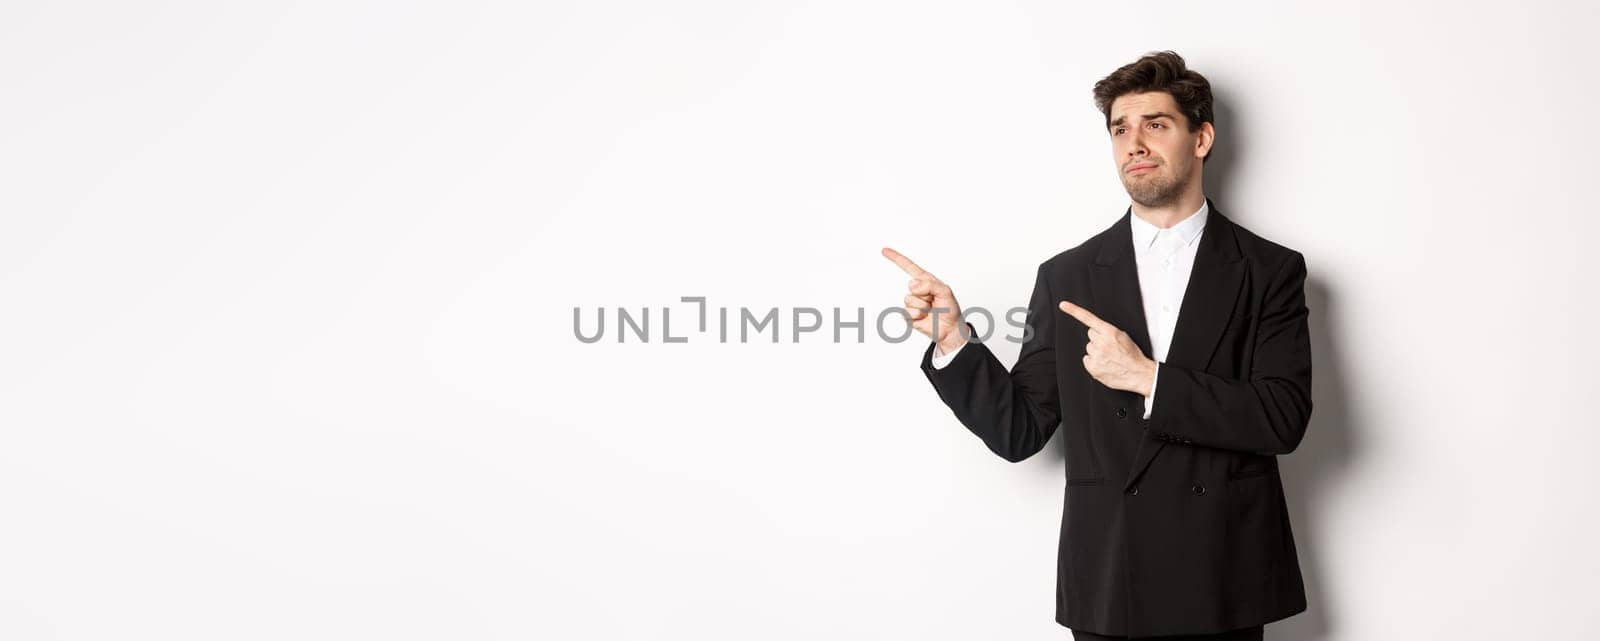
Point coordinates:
pixel 1174 212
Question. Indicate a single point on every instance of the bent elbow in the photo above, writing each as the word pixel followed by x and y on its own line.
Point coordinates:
pixel 1016 455
pixel 1017 450
pixel 1289 439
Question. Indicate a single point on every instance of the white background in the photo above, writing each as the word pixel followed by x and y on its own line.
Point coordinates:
pixel 287 346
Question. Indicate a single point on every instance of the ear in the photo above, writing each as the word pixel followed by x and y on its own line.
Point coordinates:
pixel 1204 137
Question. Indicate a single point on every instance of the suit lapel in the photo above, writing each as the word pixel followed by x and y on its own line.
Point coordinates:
pixel 1208 301
pixel 1115 283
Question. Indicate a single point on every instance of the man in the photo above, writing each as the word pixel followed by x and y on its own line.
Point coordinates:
pixel 1173 352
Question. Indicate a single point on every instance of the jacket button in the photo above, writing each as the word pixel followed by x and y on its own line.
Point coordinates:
pixel 1134 491
pixel 1122 412
pixel 1198 489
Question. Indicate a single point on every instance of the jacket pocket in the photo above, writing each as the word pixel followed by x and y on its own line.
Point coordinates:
pixel 1255 546
pixel 1098 480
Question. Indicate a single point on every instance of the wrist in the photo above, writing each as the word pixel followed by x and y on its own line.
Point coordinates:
pixel 948 346
pixel 952 341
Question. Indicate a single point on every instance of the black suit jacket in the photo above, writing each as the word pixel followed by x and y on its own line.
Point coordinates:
pixel 1177 523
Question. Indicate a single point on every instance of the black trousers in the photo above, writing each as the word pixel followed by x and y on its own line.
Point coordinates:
pixel 1241 634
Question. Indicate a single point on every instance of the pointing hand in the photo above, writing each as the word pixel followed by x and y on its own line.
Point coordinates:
pixel 1111 356
pixel 930 304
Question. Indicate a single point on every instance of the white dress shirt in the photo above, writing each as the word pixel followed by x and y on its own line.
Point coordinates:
pixel 1164 257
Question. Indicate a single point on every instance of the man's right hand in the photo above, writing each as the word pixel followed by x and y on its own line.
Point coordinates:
pixel 926 293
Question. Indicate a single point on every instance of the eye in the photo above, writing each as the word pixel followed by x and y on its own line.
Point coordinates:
pixel 1156 124
pixel 1117 131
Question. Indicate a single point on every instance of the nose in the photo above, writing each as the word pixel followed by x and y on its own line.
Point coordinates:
pixel 1136 145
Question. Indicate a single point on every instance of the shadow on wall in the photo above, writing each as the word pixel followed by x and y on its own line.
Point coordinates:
pixel 1315 468
pixel 1332 442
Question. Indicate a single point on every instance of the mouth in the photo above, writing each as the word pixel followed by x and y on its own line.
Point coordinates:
pixel 1140 168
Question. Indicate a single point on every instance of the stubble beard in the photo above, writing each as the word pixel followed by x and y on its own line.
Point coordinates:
pixel 1158 190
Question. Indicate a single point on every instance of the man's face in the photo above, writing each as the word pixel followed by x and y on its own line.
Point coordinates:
pixel 1157 156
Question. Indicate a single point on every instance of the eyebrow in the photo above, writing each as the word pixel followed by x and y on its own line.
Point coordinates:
pixel 1150 116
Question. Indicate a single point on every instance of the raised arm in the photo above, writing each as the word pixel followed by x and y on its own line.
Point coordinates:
pixel 1014 413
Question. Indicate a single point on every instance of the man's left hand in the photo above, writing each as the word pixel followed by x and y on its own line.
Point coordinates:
pixel 1111 356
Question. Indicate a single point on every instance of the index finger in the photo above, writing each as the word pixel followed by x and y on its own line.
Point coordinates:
pixel 904 263
pixel 1085 317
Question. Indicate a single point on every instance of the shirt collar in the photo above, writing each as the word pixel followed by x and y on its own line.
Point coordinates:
pixel 1144 233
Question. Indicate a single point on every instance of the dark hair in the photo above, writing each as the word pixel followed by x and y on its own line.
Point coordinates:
pixel 1158 71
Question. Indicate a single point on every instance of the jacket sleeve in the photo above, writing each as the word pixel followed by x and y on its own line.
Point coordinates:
pixel 1014 413
pixel 1266 414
